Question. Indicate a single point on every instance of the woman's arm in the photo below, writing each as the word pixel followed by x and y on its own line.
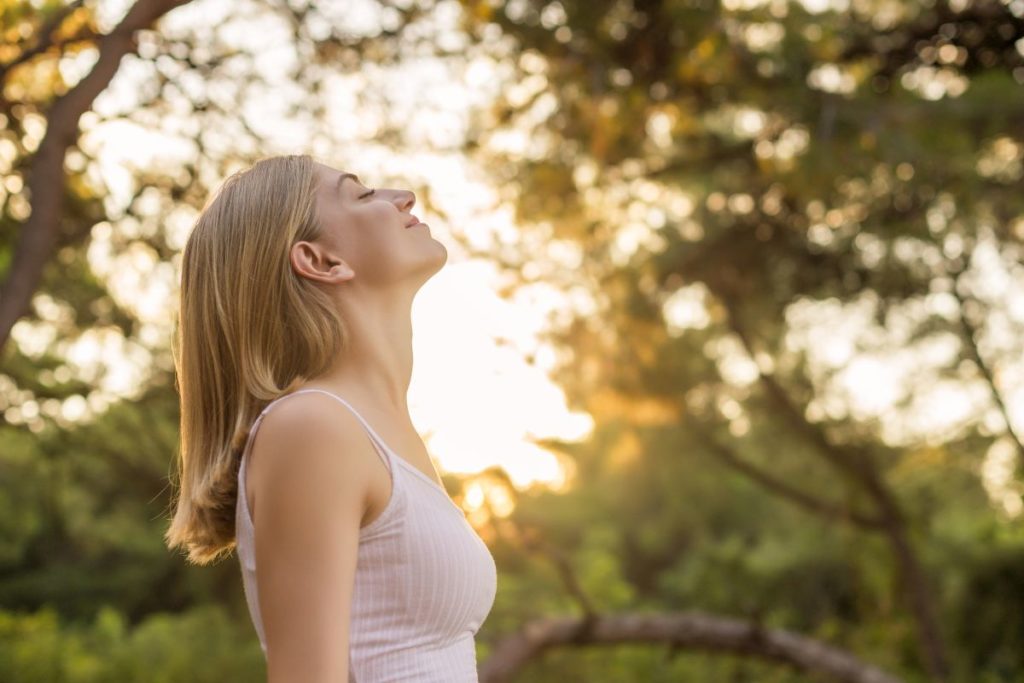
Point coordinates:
pixel 312 465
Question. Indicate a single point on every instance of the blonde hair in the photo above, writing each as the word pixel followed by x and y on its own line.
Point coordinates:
pixel 249 331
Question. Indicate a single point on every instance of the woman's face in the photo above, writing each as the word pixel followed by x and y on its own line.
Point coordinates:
pixel 372 231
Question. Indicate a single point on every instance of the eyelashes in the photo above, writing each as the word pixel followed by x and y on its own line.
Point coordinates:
pixel 366 194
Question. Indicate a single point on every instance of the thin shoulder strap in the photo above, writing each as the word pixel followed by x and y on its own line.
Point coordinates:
pixel 378 443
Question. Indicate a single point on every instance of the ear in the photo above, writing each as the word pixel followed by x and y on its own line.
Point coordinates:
pixel 311 261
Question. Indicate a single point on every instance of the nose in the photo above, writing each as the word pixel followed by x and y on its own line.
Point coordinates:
pixel 405 200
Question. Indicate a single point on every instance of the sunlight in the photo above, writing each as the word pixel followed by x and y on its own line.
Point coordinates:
pixel 473 395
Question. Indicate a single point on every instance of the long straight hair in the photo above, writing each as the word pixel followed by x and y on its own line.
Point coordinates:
pixel 249 331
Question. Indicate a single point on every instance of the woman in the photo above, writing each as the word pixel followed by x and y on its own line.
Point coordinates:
pixel 293 359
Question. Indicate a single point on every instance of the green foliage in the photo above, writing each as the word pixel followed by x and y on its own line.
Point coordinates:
pixel 881 197
pixel 988 624
pixel 870 194
pixel 202 644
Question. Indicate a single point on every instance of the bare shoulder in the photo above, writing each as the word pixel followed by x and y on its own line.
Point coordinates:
pixel 309 444
pixel 313 465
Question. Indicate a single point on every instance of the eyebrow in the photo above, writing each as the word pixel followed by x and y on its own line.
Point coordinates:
pixel 343 176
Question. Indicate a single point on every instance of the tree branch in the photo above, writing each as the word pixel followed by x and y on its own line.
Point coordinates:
pixel 688 630
pixel 46 179
pixel 45 38
pixel 911 573
pixel 970 338
pixel 785 490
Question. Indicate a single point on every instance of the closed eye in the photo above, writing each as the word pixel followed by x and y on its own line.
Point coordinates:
pixel 366 194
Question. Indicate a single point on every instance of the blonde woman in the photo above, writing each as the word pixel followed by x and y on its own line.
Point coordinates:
pixel 293 358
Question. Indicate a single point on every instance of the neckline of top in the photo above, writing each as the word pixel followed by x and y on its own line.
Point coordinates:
pixel 417 472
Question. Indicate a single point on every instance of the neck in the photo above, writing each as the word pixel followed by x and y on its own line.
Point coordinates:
pixel 377 367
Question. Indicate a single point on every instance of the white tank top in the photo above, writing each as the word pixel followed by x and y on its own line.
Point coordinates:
pixel 425 581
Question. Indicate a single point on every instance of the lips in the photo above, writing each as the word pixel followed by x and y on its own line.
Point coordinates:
pixel 414 221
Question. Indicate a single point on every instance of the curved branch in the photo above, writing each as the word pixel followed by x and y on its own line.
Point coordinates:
pixel 687 630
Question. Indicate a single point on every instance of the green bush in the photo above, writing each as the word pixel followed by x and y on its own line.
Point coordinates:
pixel 200 645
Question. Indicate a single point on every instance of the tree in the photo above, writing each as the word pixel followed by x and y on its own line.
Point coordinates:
pixel 680 167
pixel 756 160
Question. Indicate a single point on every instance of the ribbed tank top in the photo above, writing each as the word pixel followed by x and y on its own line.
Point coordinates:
pixel 425 581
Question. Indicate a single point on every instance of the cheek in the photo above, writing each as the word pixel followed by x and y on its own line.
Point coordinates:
pixel 377 234
pixel 382 224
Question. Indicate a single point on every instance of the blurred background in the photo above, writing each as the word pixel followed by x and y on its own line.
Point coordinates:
pixel 724 365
